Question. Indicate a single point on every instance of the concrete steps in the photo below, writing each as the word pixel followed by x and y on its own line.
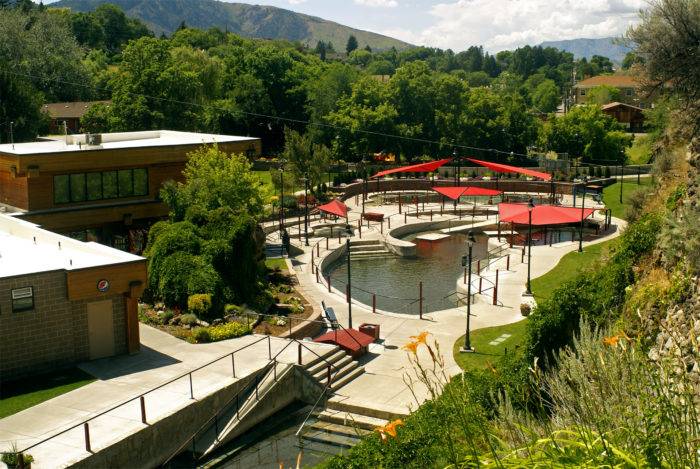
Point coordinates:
pixel 332 434
pixel 386 412
pixel 368 249
pixel 346 369
pixel 351 420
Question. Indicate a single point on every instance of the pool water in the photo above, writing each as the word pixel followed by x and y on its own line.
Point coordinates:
pixel 395 280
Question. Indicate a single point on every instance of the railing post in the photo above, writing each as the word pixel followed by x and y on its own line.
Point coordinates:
pixel 86 428
pixel 329 375
pixel 374 302
pixel 388 220
pixel 431 214
pixel 257 381
pixel 522 257
pixel 381 226
pixel 143 409
pixel 480 282
pixel 465 276
pixel 420 299
pixel 238 407
pixel 274 370
pixel 316 275
pixel 359 228
pixel 20 460
pixel 405 217
pixel 329 283
pixel 233 364
pixel 339 241
pixel 312 261
pixel 508 262
pixel 299 354
pixel 191 390
pixel 478 266
pixel 495 290
pixel 269 348
pixel 347 293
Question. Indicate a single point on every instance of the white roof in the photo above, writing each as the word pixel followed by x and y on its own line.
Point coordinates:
pixel 25 249
pixel 151 138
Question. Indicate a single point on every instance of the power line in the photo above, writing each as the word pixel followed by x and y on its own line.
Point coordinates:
pixel 450 144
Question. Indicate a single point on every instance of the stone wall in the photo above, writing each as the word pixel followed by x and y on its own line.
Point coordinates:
pixel 54 333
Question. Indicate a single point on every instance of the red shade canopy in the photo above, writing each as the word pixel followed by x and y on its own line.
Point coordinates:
pixel 335 207
pixel 455 193
pixel 415 168
pixel 541 214
pixel 504 168
pixel 350 340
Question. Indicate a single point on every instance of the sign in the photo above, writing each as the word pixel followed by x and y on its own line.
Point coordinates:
pixel 19 293
pixel 103 285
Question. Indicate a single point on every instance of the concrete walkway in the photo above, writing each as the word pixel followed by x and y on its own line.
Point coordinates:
pixel 162 358
pixel 383 387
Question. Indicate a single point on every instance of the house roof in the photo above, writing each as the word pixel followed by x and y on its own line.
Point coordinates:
pixel 69 110
pixel 618 104
pixel 618 81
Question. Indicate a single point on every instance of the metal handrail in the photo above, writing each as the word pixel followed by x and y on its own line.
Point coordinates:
pixel 189 373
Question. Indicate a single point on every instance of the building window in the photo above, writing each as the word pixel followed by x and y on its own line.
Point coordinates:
pixel 61 189
pixel 22 299
pixel 81 187
pixel 583 92
pixel 630 92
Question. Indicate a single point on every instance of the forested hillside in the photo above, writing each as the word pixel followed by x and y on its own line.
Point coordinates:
pixel 254 21
pixel 605 46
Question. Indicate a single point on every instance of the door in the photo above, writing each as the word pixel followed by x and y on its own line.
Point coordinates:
pixel 100 329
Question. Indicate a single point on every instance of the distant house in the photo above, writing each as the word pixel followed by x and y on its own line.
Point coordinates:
pixel 630 116
pixel 70 113
pixel 629 86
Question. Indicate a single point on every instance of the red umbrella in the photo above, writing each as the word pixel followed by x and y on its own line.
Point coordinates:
pixel 335 207
pixel 504 168
pixel 414 168
pixel 541 214
pixel 455 193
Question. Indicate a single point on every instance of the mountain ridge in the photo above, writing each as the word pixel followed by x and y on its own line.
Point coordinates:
pixel 588 47
pixel 253 21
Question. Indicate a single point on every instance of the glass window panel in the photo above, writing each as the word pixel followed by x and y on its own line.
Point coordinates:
pixel 94 186
pixel 61 189
pixel 109 185
pixel 126 186
pixel 141 181
pixel 77 187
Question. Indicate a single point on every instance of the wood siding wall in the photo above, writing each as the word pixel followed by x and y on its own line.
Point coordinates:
pixel 82 284
pixel 13 190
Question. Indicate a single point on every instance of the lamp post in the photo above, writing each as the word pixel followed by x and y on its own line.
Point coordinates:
pixel 583 204
pixel 467 347
pixel 349 292
pixel 459 168
pixel 622 173
pixel 306 209
pixel 281 170
pixel 364 182
pixel 530 207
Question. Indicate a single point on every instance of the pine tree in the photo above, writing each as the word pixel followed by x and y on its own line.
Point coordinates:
pixel 351 45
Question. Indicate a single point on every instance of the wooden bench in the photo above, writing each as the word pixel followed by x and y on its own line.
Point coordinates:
pixel 373 216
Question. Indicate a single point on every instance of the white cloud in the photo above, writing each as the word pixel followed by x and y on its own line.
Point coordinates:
pixel 506 24
pixel 378 3
pixel 296 2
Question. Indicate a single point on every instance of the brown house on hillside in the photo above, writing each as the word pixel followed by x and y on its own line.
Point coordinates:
pixel 70 113
pixel 630 116
pixel 629 86
pixel 102 187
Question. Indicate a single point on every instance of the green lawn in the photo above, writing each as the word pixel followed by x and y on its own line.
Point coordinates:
pixel 568 267
pixel 276 263
pixel 485 353
pixel 22 394
pixel 611 194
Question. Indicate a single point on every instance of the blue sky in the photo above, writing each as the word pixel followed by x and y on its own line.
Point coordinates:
pixel 495 24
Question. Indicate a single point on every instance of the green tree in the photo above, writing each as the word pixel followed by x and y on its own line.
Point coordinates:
pixel 586 132
pixel 546 96
pixel 321 50
pixel 305 159
pixel 603 94
pixel 351 45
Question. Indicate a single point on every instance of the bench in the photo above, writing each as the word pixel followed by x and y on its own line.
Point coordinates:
pixel 373 216
pixel 330 315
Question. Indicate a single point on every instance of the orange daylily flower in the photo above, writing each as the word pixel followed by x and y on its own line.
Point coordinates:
pixel 420 338
pixel 411 347
pixel 389 429
pixel 611 341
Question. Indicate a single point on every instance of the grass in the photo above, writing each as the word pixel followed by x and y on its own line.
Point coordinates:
pixel 276 263
pixel 611 195
pixel 568 267
pixel 485 353
pixel 22 394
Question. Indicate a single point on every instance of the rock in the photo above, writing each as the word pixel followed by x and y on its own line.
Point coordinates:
pixel 216 322
pixel 202 323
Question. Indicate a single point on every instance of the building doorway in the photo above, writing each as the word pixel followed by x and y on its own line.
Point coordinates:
pixel 101 329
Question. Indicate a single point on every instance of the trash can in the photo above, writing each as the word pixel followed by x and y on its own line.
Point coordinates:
pixel 371 330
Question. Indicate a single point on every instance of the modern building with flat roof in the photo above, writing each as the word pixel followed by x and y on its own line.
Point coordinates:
pixel 63 301
pixel 101 187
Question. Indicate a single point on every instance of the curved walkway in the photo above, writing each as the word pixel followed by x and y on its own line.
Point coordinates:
pixel 382 386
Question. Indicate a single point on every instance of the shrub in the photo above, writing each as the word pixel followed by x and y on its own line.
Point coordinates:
pixel 12 459
pixel 229 330
pixel 201 335
pixel 199 304
pixel 166 316
pixel 232 309
pixel 188 319
pixel 525 309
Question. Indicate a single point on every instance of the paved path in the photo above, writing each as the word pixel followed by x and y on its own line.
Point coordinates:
pixel 383 386
pixel 163 357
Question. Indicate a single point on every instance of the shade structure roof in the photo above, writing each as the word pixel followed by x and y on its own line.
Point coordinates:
pixel 414 168
pixel 348 339
pixel 335 207
pixel 541 214
pixel 455 193
pixel 504 168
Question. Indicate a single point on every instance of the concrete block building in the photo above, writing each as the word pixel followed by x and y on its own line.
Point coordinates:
pixel 63 301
